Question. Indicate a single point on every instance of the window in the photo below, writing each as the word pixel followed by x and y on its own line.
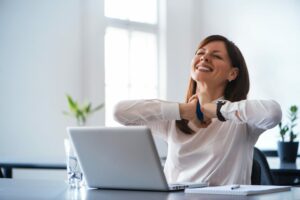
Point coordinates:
pixel 144 11
pixel 131 52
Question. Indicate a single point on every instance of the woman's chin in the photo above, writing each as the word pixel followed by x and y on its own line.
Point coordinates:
pixel 199 78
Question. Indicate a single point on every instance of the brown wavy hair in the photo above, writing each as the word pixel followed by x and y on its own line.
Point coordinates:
pixel 235 90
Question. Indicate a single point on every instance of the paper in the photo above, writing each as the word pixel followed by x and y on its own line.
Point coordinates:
pixel 242 190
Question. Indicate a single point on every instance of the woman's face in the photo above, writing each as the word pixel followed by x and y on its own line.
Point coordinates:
pixel 211 64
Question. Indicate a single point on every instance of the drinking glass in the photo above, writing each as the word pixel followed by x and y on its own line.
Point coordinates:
pixel 73 168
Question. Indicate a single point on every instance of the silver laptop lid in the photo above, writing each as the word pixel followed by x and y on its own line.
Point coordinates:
pixel 118 157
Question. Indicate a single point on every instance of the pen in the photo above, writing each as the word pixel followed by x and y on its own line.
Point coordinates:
pixel 235 187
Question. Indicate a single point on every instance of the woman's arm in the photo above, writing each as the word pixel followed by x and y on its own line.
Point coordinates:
pixel 140 112
pixel 262 114
pixel 155 114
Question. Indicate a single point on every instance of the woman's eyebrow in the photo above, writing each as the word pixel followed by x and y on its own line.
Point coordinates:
pixel 216 51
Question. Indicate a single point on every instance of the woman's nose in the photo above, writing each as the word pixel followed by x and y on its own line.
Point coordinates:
pixel 204 58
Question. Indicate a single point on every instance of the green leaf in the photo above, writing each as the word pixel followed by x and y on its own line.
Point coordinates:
pixel 293 117
pixel 72 104
pixel 87 108
pixel 97 108
pixel 80 111
pixel 280 125
pixel 294 109
pixel 66 113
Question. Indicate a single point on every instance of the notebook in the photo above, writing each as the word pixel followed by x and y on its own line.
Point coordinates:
pixel 121 158
pixel 241 190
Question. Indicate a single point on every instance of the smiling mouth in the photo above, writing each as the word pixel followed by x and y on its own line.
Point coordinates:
pixel 204 68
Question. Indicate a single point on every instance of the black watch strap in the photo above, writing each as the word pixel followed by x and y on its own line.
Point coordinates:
pixel 219 114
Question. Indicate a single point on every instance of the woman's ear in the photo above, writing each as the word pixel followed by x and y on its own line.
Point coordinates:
pixel 233 74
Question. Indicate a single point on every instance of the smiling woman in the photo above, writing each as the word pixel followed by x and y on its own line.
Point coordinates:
pixel 218 66
pixel 218 147
pixel 212 60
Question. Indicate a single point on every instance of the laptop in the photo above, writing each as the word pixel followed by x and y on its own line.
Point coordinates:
pixel 121 158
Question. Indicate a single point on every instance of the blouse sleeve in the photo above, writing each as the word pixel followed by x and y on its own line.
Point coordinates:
pixel 156 114
pixel 259 115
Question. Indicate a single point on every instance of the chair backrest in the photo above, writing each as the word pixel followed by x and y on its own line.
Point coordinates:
pixel 261 173
pixel 256 173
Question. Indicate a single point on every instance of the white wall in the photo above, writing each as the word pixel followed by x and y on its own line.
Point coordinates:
pixel 93 28
pixel 180 47
pixel 48 49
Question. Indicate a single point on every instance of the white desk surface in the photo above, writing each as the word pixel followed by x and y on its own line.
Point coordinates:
pixel 44 189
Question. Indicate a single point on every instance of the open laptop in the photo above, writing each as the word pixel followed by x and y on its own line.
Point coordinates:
pixel 120 158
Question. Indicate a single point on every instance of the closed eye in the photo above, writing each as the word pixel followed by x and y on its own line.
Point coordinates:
pixel 199 53
pixel 217 56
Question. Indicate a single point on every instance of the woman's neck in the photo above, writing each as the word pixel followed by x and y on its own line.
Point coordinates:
pixel 207 93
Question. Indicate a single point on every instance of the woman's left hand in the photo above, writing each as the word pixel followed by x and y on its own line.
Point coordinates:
pixel 209 110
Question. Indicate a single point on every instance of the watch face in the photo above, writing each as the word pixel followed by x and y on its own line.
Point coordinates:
pixel 219 114
pixel 221 102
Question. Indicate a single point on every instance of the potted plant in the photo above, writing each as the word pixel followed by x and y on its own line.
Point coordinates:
pixel 81 112
pixel 287 150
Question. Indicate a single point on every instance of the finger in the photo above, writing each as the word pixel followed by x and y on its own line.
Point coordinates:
pixel 194 97
pixel 199 124
pixel 204 124
pixel 207 122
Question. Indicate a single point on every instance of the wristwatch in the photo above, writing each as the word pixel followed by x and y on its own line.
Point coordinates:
pixel 220 103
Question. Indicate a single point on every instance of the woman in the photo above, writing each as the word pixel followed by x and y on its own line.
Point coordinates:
pixel 218 148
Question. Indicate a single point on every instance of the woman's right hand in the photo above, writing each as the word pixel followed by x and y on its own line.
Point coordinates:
pixel 188 112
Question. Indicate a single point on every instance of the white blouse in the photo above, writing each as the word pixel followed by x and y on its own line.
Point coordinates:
pixel 220 154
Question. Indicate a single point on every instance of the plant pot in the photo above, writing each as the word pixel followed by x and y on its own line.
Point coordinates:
pixel 287 151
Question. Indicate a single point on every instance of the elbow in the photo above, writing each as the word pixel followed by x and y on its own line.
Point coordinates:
pixel 117 113
pixel 275 115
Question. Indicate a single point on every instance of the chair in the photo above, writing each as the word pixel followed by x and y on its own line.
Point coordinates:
pixel 261 173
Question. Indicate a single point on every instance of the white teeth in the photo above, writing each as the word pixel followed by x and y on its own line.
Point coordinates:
pixel 205 69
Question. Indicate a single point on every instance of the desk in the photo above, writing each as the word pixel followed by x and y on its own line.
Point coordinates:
pixel 285 173
pixel 8 164
pixel 42 189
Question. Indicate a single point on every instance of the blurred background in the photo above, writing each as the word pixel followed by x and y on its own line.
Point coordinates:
pixel 109 50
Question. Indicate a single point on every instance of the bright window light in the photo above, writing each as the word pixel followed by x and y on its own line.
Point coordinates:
pixel 144 11
pixel 131 67
pixel 143 60
pixel 131 63
pixel 116 56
